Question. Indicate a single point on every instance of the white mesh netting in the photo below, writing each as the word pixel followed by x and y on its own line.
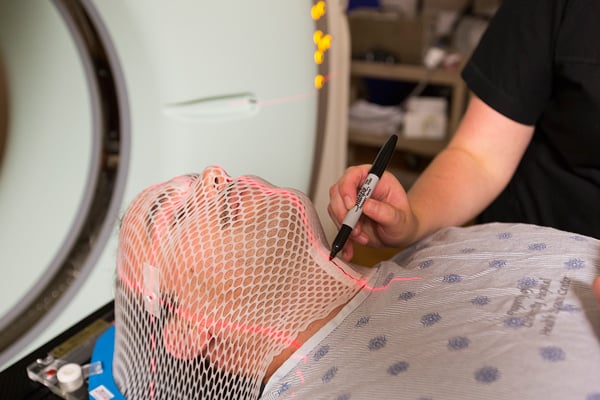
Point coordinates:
pixel 216 277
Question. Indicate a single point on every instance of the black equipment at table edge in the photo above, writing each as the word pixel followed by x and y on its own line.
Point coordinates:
pixel 14 382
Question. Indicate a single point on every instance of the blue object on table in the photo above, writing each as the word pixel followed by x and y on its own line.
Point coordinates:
pixel 103 352
pixel 362 4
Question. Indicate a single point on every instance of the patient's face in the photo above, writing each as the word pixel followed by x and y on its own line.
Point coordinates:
pixel 237 267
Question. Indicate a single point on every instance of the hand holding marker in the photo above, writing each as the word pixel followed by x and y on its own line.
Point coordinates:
pixel 379 165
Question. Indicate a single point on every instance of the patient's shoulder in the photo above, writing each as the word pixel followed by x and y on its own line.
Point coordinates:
pixel 507 237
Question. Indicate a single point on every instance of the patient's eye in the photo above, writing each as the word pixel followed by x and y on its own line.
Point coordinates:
pixel 166 211
pixel 180 215
pixel 228 202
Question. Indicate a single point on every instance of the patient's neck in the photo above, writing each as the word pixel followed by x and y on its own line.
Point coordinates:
pixel 302 338
pixel 357 273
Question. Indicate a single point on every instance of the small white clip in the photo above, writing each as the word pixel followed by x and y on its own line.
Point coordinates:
pixel 152 289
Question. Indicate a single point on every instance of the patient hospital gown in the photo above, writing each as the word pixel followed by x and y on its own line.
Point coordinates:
pixel 500 311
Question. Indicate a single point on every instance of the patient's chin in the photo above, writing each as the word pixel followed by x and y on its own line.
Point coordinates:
pixel 186 342
pixel 183 341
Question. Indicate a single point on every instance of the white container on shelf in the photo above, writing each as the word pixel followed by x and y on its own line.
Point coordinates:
pixel 426 118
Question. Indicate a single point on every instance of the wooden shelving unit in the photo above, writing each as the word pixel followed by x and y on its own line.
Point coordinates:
pixel 426 148
pixel 416 73
pixel 423 147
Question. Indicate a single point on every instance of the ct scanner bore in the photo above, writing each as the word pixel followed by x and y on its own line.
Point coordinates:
pixel 3 111
pixel 75 181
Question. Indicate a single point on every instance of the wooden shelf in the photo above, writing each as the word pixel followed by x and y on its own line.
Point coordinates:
pixel 424 147
pixel 405 72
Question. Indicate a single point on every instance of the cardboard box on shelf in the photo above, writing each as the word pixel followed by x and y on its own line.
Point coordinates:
pixel 479 7
pixel 485 8
pixel 444 5
pixel 410 8
pixel 426 118
pixel 405 38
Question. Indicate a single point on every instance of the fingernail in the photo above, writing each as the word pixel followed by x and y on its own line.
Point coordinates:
pixel 348 202
pixel 370 207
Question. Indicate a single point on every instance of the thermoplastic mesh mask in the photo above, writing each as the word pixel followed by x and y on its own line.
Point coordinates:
pixel 216 276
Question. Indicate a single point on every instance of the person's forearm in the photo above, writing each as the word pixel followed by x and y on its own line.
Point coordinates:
pixel 451 191
pixel 475 167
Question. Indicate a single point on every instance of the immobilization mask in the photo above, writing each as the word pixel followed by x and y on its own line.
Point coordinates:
pixel 216 276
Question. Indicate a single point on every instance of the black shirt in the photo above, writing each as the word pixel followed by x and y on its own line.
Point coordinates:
pixel 538 63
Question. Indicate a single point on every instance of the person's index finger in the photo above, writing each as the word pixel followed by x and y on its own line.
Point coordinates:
pixel 353 180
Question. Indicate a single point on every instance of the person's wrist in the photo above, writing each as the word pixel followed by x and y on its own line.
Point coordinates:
pixel 408 231
pixel 415 229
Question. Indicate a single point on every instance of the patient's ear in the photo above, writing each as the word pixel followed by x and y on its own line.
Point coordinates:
pixel 215 179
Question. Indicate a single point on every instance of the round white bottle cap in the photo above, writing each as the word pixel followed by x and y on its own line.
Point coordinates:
pixel 70 377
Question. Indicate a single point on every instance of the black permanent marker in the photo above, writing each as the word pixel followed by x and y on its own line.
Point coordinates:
pixel 379 165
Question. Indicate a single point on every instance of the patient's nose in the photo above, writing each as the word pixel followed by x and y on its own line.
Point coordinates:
pixel 214 179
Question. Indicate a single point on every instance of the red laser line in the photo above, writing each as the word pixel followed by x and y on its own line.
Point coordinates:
pixel 275 100
pixel 162 224
pixel 300 376
pixel 266 331
pixel 363 283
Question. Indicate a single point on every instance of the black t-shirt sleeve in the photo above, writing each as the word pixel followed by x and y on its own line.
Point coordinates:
pixel 511 69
